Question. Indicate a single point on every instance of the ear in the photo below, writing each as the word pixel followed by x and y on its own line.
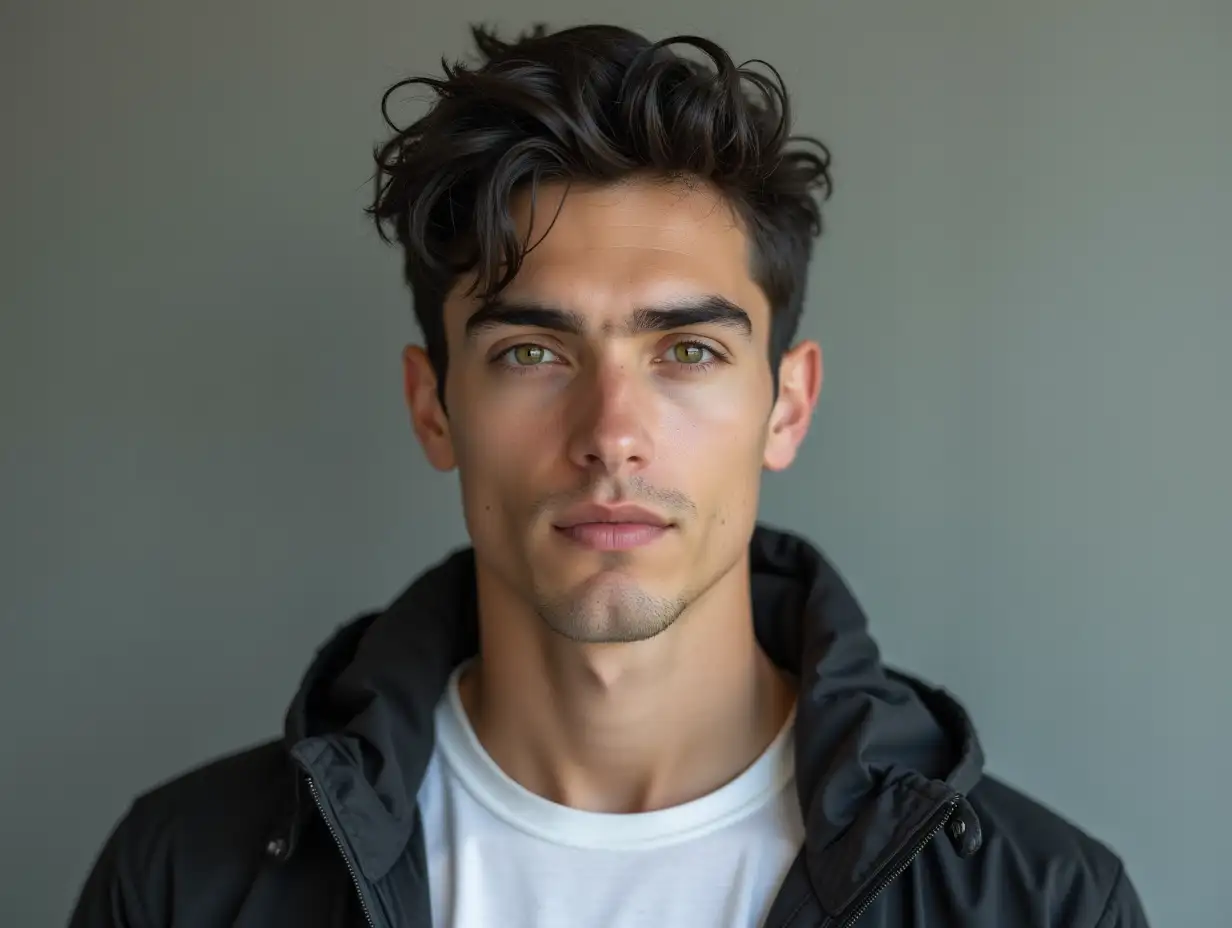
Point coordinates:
pixel 427 417
pixel 800 376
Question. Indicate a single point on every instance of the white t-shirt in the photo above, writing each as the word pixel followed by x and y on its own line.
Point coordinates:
pixel 499 855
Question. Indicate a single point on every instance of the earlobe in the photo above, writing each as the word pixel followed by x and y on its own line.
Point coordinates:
pixel 428 419
pixel 800 376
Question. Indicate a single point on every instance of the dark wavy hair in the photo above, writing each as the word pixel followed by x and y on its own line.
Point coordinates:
pixel 593 104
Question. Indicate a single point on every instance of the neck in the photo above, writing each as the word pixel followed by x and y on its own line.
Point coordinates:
pixel 626 727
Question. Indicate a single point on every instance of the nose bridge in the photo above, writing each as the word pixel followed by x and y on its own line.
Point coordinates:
pixel 611 418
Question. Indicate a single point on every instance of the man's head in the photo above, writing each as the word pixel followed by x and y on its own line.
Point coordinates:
pixel 607 245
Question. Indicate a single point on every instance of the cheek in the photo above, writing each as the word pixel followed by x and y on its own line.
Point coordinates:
pixel 725 423
pixel 715 443
pixel 504 452
pixel 489 420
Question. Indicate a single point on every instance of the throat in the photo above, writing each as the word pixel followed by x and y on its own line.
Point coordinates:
pixel 627 743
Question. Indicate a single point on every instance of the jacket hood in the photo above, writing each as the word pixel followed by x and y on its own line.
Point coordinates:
pixel 878 753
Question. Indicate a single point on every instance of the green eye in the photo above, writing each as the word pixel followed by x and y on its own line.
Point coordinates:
pixel 529 355
pixel 689 352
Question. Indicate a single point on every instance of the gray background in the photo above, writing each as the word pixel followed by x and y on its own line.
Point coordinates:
pixel 1021 459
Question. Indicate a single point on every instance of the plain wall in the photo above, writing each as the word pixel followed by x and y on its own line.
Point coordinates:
pixel 1021 460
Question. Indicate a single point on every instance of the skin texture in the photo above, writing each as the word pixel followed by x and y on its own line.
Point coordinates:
pixel 617 681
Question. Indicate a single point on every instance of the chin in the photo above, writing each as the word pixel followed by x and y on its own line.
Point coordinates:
pixel 604 598
pixel 611 611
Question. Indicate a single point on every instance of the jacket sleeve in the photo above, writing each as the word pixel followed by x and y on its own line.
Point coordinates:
pixel 1123 908
pixel 110 896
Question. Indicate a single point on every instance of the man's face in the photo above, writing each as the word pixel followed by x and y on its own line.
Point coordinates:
pixel 611 410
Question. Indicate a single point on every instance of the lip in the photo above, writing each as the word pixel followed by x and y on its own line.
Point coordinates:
pixel 612 528
pixel 591 513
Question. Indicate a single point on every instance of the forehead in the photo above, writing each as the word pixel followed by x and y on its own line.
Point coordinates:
pixel 607 251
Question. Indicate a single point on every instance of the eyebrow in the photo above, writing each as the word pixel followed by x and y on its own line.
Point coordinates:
pixel 676 314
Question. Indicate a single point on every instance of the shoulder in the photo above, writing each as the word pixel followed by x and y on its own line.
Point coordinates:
pixel 220 799
pixel 203 831
pixel 1034 859
pixel 1035 834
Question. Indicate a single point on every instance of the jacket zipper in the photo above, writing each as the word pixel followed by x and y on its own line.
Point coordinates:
pixel 942 817
pixel 359 891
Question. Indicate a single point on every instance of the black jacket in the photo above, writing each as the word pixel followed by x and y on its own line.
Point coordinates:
pixel 321 828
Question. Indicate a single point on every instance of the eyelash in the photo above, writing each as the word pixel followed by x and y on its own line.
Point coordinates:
pixel 716 357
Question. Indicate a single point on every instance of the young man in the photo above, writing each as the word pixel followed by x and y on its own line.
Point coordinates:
pixel 627 704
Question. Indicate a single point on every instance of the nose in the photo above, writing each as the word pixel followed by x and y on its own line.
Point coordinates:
pixel 611 424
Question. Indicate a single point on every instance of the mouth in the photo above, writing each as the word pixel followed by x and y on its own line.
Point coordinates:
pixel 612 528
pixel 612 536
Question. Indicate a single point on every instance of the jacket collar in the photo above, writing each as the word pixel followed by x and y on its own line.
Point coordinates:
pixel 877 752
